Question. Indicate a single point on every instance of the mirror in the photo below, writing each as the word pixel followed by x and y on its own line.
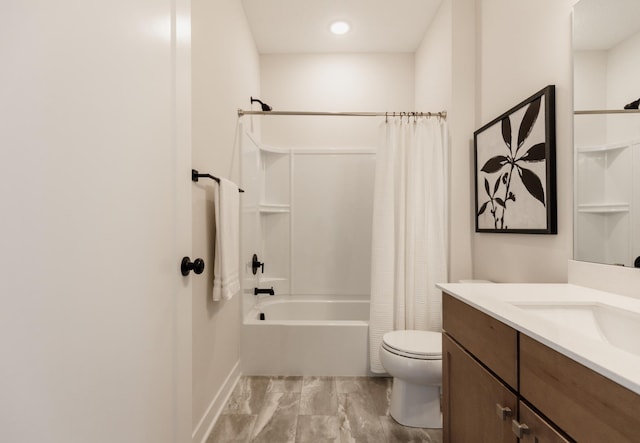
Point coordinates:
pixel 606 51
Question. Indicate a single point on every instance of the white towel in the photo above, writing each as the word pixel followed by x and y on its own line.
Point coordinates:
pixel 226 275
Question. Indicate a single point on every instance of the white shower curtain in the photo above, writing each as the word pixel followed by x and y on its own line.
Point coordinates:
pixel 409 240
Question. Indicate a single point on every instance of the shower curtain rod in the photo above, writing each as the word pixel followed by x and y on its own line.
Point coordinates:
pixel 607 111
pixel 441 114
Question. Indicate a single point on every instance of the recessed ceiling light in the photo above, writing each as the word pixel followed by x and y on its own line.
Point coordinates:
pixel 340 27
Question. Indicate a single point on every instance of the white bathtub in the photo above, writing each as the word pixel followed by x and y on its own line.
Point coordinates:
pixel 307 335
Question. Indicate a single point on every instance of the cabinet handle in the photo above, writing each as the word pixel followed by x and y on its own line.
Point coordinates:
pixel 519 429
pixel 503 411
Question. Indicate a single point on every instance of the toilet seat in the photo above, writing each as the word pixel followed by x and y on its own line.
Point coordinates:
pixel 421 345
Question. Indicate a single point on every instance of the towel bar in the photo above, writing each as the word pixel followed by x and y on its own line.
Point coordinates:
pixel 195 175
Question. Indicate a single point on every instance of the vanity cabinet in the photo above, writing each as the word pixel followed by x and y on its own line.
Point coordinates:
pixel 477 407
pixel 538 430
pixel 500 385
pixel 585 404
pixel 481 398
pixel 489 340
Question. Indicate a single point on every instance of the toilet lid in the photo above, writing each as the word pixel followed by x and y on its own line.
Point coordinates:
pixel 414 344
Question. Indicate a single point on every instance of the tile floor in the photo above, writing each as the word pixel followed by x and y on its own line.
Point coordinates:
pixel 313 410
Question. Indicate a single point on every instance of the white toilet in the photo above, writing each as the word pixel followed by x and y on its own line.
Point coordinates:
pixel 414 360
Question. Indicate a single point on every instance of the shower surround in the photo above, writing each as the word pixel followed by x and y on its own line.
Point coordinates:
pixel 307 216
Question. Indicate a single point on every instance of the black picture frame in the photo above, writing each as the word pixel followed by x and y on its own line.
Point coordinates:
pixel 515 169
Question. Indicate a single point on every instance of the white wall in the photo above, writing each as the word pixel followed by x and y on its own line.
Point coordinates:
pixel 623 71
pixel 332 221
pixel 434 62
pixel 590 92
pixel 522 47
pixel 333 82
pixel 225 74
pixel 338 189
pixel 606 79
pixel 445 79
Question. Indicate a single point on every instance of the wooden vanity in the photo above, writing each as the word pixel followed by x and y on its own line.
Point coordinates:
pixel 500 385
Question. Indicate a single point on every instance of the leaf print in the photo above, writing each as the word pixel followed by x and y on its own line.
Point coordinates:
pixel 486 187
pixel 494 164
pixel 501 202
pixel 506 131
pixel 535 154
pixel 532 183
pixel 528 121
pixel 483 208
pixel 496 186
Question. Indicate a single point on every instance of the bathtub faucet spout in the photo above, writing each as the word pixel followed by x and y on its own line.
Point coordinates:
pixel 269 291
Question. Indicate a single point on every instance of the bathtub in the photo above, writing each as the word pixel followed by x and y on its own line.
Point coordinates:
pixel 306 335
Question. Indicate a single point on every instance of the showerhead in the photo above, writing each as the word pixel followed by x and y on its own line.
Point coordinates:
pixel 265 107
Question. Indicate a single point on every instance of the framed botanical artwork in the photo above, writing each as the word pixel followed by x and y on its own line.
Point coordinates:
pixel 515 169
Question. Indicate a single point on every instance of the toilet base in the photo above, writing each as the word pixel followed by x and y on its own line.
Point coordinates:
pixel 416 406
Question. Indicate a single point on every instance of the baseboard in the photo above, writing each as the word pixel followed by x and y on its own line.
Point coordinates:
pixel 202 431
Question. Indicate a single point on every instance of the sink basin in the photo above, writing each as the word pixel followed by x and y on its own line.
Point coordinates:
pixel 609 324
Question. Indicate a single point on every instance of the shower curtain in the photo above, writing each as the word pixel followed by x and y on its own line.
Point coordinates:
pixel 409 238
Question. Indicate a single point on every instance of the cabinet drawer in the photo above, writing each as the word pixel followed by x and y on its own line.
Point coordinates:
pixel 472 398
pixel 489 340
pixel 581 402
pixel 539 430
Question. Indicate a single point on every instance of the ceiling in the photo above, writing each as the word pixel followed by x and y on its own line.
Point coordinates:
pixel 302 26
pixel 602 24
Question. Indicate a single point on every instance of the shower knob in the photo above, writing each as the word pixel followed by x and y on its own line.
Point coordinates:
pixel 256 264
pixel 186 266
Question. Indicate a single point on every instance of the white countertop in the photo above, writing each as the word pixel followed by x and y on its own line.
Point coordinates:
pixel 497 300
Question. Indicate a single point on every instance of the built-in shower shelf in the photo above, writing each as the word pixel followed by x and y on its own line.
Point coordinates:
pixel 604 208
pixel 265 148
pixel 274 208
pixel 606 147
pixel 274 150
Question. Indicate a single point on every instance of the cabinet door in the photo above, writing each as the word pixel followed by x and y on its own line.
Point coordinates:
pixel 586 405
pixel 537 429
pixel 489 340
pixel 476 406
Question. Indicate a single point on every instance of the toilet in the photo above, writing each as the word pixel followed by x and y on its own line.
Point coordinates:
pixel 414 360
